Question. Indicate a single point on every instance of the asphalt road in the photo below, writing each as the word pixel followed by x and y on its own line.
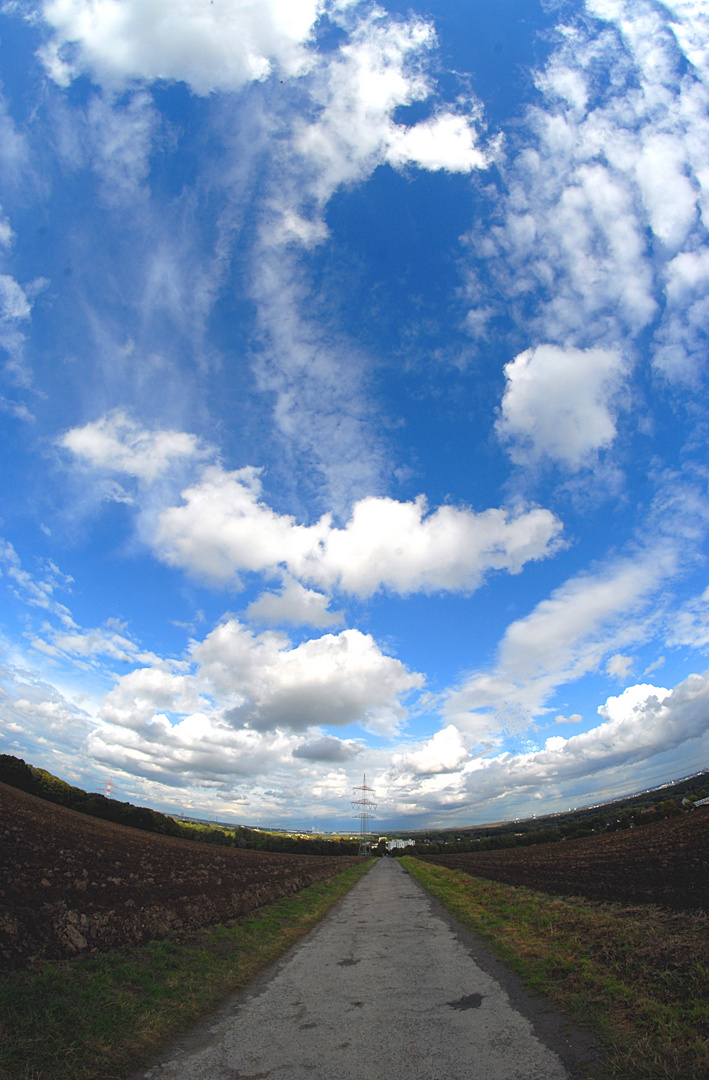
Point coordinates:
pixel 387 987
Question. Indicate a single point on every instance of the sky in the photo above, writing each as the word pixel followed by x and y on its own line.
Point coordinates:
pixel 353 408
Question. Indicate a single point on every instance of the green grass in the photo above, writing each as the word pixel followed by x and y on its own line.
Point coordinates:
pixel 637 976
pixel 105 1016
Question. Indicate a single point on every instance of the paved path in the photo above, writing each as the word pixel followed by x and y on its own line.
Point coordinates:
pixel 385 988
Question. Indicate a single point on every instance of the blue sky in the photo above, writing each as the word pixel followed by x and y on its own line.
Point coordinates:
pixel 352 402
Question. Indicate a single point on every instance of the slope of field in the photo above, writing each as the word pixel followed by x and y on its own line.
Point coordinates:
pixel 666 863
pixel 71 883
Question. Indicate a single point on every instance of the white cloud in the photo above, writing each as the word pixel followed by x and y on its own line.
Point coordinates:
pixel 558 403
pixel 564 637
pixel 445 752
pixel 261 682
pixel 575 718
pixel 690 625
pixel 379 69
pixel 643 721
pixel 104 641
pixel 294 604
pixel 641 727
pixel 116 443
pixel 223 527
pixel 36 590
pixel 333 680
pixel 120 138
pixel 196 751
pixel 316 376
pixel 37 721
pixel 217 46
pixel 140 697
pixel 445 142
pixel 691 28
pixel 14 304
pixel 612 186
pixel 7 236
pixel 619 666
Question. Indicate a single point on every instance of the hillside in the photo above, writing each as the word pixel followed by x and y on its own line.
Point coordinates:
pixel 71 883
pixel 664 863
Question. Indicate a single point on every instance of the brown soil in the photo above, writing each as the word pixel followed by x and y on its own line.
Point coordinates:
pixel 70 883
pixel 665 863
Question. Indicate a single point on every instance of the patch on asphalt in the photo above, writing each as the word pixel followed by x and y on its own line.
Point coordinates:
pixel 346 963
pixel 471 1001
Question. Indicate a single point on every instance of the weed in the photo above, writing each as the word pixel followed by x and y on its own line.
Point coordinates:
pixel 635 975
pixel 107 1014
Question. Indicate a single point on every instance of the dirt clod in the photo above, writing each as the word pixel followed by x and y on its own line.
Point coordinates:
pixel 71 884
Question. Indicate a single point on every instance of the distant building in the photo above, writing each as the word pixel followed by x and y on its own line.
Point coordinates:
pixel 391 844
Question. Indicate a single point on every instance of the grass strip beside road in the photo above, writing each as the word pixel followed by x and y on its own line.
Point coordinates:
pixel 637 976
pixel 107 1015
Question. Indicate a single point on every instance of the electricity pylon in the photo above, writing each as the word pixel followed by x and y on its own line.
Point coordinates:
pixel 362 808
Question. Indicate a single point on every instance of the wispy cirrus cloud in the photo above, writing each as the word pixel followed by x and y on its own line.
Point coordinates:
pixel 320 381
pixel 567 635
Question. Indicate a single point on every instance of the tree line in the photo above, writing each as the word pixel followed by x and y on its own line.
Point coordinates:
pixel 17 773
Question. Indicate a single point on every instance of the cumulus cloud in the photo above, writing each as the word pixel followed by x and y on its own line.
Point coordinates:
pixel 294 604
pixel 140 697
pixel 642 724
pixel 643 721
pixel 611 188
pixel 328 749
pixel 445 752
pixel 116 443
pixel 559 403
pixel 263 682
pixel 619 666
pixel 379 69
pixel 333 680
pixel 211 47
pixel 224 527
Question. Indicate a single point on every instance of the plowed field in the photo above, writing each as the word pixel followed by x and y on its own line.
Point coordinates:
pixel 666 863
pixel 71 883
